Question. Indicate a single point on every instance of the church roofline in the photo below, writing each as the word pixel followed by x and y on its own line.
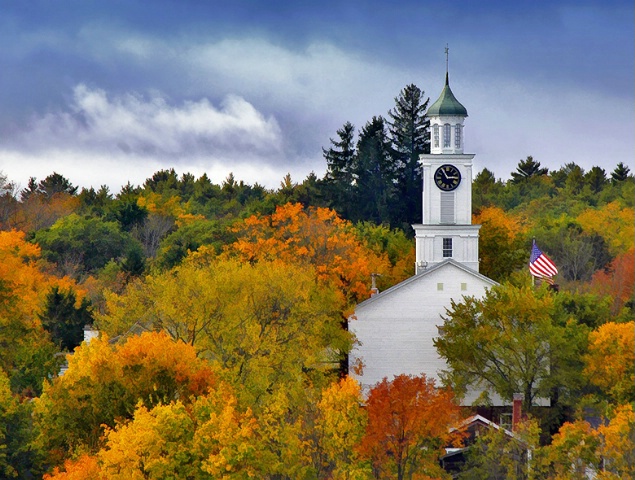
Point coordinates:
pixel 447 156
pixel 447 104
pixel 429 271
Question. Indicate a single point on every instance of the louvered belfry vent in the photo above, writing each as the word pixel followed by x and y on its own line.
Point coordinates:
pixel 447 207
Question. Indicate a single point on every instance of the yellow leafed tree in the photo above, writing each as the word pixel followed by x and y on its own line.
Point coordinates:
pixel 340 426
pixel 210 438
pixel 610 362
pixel 614 223
pixel 261 325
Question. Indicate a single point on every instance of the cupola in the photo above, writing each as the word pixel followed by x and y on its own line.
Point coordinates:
pixel 446 117
pixel 447 104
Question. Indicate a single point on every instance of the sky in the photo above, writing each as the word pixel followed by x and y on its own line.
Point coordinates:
pixel 110 92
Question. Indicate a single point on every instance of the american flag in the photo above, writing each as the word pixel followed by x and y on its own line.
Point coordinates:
pixel 540 265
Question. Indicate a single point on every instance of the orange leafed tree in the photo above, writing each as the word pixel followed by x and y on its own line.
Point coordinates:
pixel 210 438
pixel 85 467
pixel 316 236
pixel 609 450
pixel 27 352
pixel 617 446
pixel 573 450
pixel 105 383
pixel 21 273
pixel 409 422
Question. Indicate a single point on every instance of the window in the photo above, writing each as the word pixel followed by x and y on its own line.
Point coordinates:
pixel 435 129
pixel 505 420
pixel 463 287
pixel 447 247
pixel 439 286
pixel 457 136
pixel 447 133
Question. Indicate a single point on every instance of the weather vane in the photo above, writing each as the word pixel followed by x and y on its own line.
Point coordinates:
pixel 447 57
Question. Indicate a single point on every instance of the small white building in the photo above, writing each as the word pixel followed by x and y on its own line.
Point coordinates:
pixel 395 329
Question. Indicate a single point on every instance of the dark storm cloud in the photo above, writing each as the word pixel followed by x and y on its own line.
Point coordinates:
pixel 534 76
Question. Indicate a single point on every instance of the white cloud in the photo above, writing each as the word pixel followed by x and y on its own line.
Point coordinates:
pixel 135 124
pixel 101 139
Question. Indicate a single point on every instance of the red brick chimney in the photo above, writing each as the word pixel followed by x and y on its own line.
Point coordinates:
pixel 517 410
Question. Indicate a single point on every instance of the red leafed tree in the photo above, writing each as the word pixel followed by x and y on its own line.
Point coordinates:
pixel 618 280
pixel 409 422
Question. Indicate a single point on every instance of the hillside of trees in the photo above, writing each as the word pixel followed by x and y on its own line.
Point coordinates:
pixel 221 309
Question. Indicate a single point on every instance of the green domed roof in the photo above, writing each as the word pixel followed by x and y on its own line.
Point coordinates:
pixel 447 104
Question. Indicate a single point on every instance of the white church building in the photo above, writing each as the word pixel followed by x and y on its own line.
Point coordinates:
pixel 395 329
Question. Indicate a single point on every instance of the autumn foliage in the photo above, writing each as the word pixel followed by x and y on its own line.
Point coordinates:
pixel 209 438
pixel 614 223
pixel 617 280
pixel 578 449
pixel 221 309
pixel 262 326
pixel 27 351
pixel 22 273
pixel 314 236
pixel 610 362
pixel 105 383
pixel 409 422
pixel 340 427
pixel 500 243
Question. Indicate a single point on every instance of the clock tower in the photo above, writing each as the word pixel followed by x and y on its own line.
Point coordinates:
pixel 446 230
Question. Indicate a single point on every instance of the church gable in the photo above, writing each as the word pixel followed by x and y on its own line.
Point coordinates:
pixel 395 329
pixel 446 280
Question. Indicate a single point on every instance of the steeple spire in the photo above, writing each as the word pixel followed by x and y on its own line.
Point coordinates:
pixel 447 62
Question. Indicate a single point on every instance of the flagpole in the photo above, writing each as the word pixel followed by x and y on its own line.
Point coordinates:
pixel 533 279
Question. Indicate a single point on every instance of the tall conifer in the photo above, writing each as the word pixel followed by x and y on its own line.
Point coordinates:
pixel 410 137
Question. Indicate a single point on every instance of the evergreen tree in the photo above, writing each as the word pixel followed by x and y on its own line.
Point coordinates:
pixel 187 186
pixel 620 173
pixel 163 181
pixel 128 191
pixel 135 262
pixel 485 188
pixel 375 175
pixel 56 183
pixel 526 169
pixel 410 137
pixel 574 182
pixel 30 190
pixel 340 164
pixel 63 320
pixel 596 179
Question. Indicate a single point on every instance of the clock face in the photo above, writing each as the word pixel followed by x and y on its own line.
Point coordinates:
pixel 447 177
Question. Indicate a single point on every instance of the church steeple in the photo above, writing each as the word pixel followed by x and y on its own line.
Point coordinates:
pixel 446 119
pixel 446 230
pixel 447 104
